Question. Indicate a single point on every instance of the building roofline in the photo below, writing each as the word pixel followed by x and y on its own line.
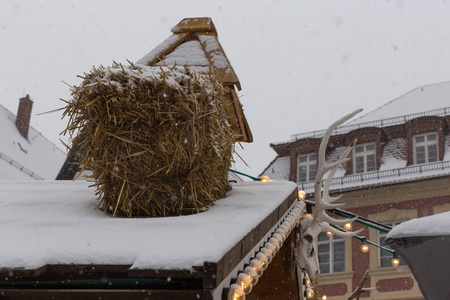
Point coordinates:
pixel 445 111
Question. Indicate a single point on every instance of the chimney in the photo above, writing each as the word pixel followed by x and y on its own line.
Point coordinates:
pixel 24 115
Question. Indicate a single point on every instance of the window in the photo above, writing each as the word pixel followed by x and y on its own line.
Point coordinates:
pixel 364 158
pixel 307 167
pixel 425 148
pixel 385 257
pixel 331 253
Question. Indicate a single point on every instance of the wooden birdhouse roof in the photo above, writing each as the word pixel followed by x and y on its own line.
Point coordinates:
pixel 195 44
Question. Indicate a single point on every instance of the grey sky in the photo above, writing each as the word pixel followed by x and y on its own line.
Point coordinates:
pixel 302 64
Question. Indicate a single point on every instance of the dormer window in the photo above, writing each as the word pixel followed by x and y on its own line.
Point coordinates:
pixel 425 148
pixel 364 158
pixel 307 167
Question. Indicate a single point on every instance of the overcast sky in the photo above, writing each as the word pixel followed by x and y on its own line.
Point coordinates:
pixel 302 64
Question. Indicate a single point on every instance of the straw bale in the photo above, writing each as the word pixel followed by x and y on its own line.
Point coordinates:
pixel 156 139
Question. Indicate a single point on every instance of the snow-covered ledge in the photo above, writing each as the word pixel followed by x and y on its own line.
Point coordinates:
pixel 423 243
pixel 51 226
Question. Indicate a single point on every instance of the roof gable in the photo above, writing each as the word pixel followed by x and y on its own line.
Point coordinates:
pixel 194 32
pixel 194 44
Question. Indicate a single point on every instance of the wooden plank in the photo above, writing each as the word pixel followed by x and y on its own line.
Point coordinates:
pixel 6 274
pixel 182 37
pixel 195 24
pixel 211 273
pixel 239 113
pixel 150 273
pixel 96 294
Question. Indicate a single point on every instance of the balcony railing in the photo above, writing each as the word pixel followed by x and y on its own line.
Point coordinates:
pixel 394 173
pixel 380 123
pixel 20 167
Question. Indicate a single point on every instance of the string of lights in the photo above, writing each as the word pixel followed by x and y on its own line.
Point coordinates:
pixel 254 269
pixel 247 278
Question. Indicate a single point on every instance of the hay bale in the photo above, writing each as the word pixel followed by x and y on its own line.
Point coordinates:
pixel 157 140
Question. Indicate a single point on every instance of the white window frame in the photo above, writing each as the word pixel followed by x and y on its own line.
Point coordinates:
pixel 389 256
pixel 426 143
pixel 364 154
pixel 331 242
pixel 310 162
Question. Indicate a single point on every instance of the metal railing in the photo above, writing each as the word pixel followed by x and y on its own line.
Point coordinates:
pixel 416 169
pixel 380 123
pixel 13 163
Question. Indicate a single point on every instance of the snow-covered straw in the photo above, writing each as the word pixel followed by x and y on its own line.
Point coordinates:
pixel 157 139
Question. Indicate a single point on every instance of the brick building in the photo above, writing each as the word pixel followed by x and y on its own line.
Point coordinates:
pixel 399 170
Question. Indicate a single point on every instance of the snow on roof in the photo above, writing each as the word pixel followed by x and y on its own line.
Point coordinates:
pixel 279 169
pixel 189 53
pixel 394 154
pixel 421 99
pixel 20 157
pixel 218 58
pixel 59 223
pixel 159 49
pixel 194 42
pixel 435 225
pixel 431 100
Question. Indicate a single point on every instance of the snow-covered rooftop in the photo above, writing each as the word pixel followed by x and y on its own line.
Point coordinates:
pixel 278 169
pixel 58 222
pixel 435 225
pixel 21 158
pixel 421 99
pixel 431 100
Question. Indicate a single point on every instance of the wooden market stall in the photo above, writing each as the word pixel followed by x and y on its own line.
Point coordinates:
pixel 69 249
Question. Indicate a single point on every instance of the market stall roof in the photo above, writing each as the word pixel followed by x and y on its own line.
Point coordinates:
pixel 49 225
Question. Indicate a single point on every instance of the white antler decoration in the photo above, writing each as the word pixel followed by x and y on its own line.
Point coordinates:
pixel 310 227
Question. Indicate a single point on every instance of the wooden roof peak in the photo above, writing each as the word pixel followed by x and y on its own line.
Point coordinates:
pixel 203 24
pixel 204 54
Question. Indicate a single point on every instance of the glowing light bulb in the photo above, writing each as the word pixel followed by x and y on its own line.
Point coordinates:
pixel 264 179
pixel 271 248
pixel 267 253
pixel 309 293
pixel 395 261
pixel 364 248
pixel 276 243
pixel 301 195
pixel 308 215
pixel 250 271
pixel 256 264
pixel 324 297
pixel 348 226
pixel 282 233
pixel 245 282
pixel 308 281
pixel 279 237
pixel 329 234
pixel 236 293
pixel 263 260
